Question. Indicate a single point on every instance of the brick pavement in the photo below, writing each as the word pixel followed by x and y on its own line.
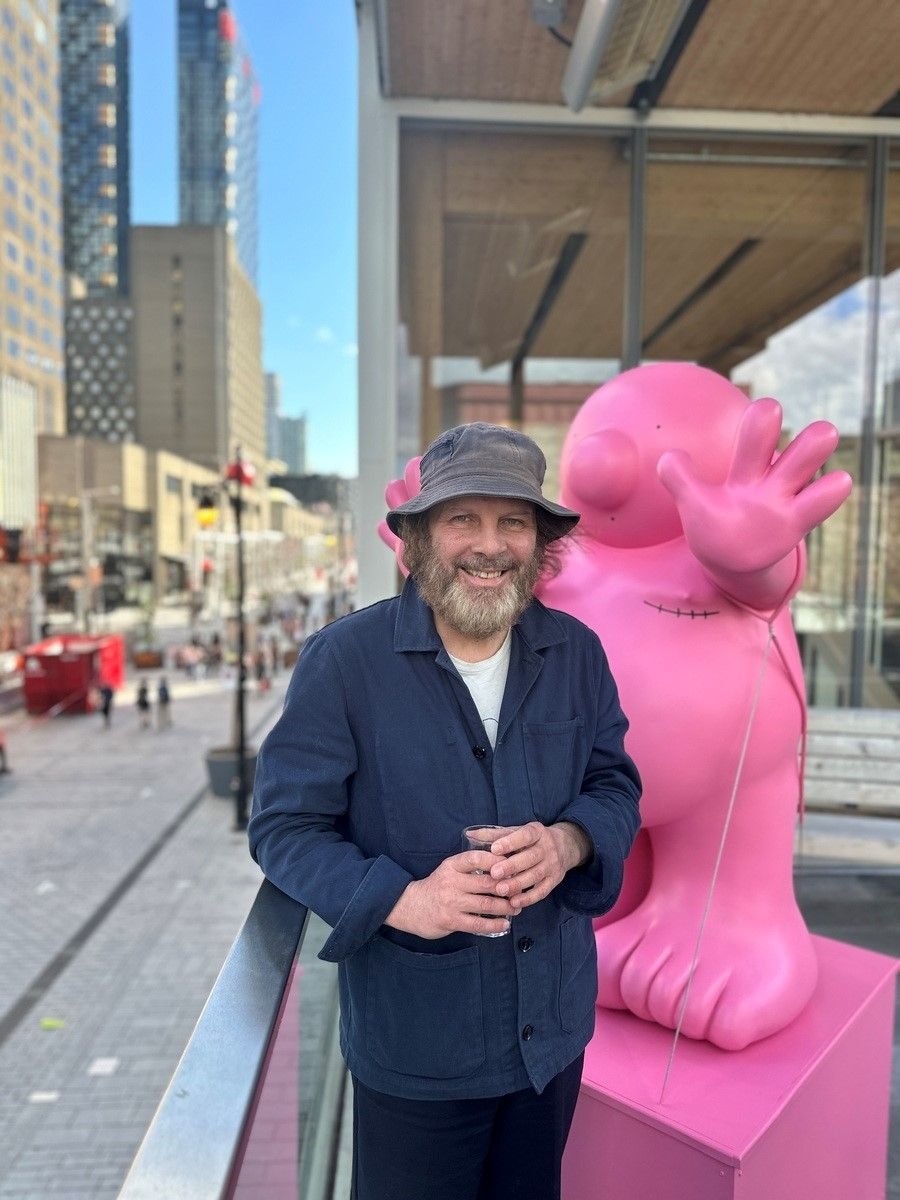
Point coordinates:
pixel 82 1071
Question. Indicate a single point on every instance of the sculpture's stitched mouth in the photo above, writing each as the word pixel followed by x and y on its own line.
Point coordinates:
pixel 693 613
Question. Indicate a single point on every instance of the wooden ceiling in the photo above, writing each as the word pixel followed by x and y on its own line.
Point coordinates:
pixel 734 250
pixel 827 56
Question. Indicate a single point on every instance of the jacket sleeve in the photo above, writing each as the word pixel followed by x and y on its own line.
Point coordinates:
pixel 301 796
pixel 607 805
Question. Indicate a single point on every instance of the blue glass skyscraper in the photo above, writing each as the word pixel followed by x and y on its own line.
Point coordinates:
pixel 93 58
pixel 218 100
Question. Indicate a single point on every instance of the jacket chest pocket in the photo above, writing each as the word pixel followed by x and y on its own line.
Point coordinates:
pixel 550 761
pixel 430 791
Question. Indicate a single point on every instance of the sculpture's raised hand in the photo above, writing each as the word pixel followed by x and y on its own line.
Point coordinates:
pixel 397 492
pixel 744 531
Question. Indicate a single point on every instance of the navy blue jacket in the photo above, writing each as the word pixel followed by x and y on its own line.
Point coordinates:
pixel 366 782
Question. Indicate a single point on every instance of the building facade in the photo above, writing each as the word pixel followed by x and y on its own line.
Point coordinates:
pixel 31 275
pixel 720 211
pixel 218 102
pixel 198 346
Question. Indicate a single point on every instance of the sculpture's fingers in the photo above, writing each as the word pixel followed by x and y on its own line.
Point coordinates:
pixel 676 473
pixel 756 442
pixel 820 499
pixel 396 493
pixel 390 539
pixel 806 454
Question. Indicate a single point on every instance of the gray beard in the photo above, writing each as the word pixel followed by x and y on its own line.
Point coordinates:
pixel 478 614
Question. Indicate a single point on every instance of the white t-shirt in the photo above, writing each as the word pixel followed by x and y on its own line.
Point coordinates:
pixel 486 681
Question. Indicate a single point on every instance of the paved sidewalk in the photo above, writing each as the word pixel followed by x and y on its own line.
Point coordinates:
pixel 118 954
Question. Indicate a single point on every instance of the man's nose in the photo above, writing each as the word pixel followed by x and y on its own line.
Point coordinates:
pixel 489 539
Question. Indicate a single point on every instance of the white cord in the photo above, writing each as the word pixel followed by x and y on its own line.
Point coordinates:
pixel 715 874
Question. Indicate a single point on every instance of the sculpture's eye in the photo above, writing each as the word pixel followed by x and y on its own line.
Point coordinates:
pixel 602 471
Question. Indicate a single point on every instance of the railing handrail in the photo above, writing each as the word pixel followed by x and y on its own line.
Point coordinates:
pixel 190 1147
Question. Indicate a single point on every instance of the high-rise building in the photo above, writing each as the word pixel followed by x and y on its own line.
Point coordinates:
pixel 273 412
pixel 198 345
pixel 31 276
pixel 292 439
pixel 94 53
pixel 218 99
pixel 93 42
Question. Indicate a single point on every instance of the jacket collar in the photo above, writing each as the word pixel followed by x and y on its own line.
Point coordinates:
pixel 414 628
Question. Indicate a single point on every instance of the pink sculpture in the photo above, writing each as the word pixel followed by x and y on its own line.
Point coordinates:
pixel 689 547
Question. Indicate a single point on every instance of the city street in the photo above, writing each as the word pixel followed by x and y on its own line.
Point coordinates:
pixel 123 886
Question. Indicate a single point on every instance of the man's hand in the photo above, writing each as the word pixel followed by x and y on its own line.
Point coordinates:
pixel 535 859
pixel 453 899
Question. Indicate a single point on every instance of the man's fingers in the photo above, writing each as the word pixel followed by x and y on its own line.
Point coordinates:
pixel 472 861
pixel 518 839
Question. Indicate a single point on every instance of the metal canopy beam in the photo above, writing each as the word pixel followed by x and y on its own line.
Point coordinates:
pixel 683 120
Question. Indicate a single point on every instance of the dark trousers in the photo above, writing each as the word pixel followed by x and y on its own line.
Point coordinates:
pixel 503 1148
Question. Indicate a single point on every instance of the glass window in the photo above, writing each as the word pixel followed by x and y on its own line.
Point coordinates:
pixel 754 268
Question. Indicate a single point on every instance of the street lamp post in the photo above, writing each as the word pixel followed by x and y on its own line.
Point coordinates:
pixel 238 475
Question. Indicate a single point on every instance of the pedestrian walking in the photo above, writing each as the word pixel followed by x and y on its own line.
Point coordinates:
pixel 106 702
pixel 273 654
pixel 5 768
pixel 163 709
pixel 261 671
pixel 143 704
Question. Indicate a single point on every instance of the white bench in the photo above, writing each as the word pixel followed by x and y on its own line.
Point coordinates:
pixel 853 761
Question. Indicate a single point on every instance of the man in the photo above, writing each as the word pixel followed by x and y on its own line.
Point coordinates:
pixel 461 702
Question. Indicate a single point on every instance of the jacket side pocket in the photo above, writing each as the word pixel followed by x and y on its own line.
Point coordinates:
pixel 424 1011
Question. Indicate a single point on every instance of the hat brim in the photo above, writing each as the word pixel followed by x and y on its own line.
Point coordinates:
pixel 567 518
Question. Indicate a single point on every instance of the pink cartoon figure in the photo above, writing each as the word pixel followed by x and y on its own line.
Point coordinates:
pixel 689 548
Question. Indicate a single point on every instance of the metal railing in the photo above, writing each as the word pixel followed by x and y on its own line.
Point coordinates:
pixel 195 1142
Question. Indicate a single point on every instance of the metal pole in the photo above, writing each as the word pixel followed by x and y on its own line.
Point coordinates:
pixel 874 265
pixel 241 796
pixel 634 267
pixel 87 549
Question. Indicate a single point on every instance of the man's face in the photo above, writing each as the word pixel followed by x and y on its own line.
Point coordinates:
pixel 479 571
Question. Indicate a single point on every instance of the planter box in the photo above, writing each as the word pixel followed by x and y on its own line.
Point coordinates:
pixel 151 660
pixel 222 769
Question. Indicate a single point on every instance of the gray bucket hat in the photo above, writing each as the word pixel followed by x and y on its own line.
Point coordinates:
pixel 482 460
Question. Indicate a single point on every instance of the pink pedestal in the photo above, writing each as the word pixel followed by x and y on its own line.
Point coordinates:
pixel 801 1115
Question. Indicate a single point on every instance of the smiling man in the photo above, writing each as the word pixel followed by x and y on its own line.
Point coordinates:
pixel 461 702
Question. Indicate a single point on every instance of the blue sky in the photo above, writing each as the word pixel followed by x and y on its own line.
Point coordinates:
pixel 304 55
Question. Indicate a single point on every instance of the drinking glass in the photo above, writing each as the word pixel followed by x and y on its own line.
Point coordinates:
pixel 482 837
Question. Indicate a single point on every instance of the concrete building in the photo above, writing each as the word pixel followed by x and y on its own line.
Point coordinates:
pixel 218 101
pixel 31 314
pixel 198 346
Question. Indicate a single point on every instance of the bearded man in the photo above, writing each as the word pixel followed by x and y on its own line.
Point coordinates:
pixel 462 702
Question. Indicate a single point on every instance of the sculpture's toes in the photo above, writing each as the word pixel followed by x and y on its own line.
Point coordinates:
pixel 615 944
pixel 648 963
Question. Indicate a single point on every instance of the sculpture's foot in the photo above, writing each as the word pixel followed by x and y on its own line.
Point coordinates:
pixel 753 975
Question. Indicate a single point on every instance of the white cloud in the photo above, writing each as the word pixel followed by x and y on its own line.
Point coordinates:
pixel 350 349
pixel 294 322
pixel 324 334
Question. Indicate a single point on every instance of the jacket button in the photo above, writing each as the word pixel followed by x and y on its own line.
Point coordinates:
pixel 525 944
pixel 479 751
pixel 527 1033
